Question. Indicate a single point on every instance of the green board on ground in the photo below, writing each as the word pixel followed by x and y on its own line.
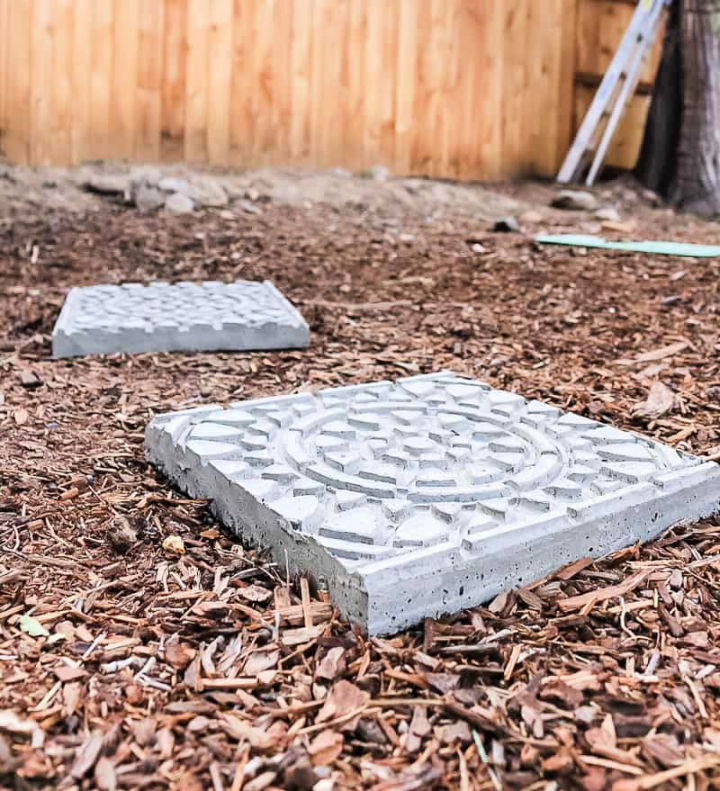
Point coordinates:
pixel 658 248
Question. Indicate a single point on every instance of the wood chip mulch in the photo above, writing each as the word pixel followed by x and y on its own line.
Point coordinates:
pixel 143 647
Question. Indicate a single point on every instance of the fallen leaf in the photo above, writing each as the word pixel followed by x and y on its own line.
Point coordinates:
pixel 660 400
pixel 326 747
pixel 33 627
pixel 255 593
pixel 174 544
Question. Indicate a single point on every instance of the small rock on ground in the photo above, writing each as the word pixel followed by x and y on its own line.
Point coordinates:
pixel 145 174
pixel 507 225
pixel 608 213
pixel 578 200
pixel 178 203
pixel 107 184
pixel 207 192
pixel 379 173
pixel 173 184
pixel 148 198
pixel 532 217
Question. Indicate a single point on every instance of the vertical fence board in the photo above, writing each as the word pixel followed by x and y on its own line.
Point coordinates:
pixel 101 64
pixel 172 89
pixel 62 108
pixel 219 64
pixel 149 80
pixel 300 67
pixel 124 81
pixel 196 82
pixel 42 36
pixel 81 75
pixel 18 94
pixel 4 72
pixel 265 60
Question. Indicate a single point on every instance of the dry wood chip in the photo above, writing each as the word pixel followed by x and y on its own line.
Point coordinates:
pixel 326 747
pixel 332 664
pixel 343 699
pixel 87 755
pixel 260 661
pixel 178 654
pixel 603 594
pixel 241 730
pixel 66 673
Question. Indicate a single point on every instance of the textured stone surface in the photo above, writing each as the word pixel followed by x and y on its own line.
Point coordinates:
pixel 180 317
pixel 427 495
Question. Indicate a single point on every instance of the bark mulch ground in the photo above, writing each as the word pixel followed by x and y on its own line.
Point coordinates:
pixel 142 647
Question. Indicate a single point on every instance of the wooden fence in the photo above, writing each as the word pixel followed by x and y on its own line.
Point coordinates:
pixel 454 88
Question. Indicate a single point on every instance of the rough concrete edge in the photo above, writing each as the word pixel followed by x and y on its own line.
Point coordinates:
pixel 556 541
pixel 298 552
pixel 61 329
pixel 292 310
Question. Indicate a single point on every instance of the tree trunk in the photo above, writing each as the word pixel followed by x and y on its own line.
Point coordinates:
pixel 680 157
pixel 657 164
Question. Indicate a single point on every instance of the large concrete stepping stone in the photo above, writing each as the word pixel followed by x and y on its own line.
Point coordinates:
pixel 427 495
pixel 161 317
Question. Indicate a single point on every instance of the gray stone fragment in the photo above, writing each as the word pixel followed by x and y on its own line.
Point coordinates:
pixel 177 203
pixel 506 225
pixel 248 207
pixel 207 192
pixel 379 173
pixel 428 495
pixel 108 184
pixel 578 200
pixel 172 184
pixel 145 174
pixel 148 198
pixel 208 316
pixel 608 213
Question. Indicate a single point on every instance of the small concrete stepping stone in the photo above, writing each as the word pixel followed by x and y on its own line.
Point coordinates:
pixel 427 495
pixel 161 317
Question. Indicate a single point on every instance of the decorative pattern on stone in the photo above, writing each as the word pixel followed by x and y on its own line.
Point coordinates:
pixel 179 317
pixel 427 495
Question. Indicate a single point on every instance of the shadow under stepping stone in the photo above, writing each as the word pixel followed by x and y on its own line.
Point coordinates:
pixel 161 317
pixel 427 495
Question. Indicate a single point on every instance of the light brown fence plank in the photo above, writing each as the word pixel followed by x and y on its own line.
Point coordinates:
pixel 149 80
